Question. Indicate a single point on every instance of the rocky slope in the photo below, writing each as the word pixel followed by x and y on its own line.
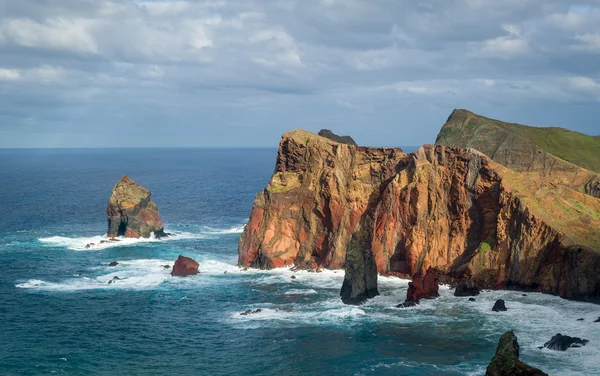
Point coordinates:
pixel 556 155
pixel 455 210
pixel 332 136
pixel 131 212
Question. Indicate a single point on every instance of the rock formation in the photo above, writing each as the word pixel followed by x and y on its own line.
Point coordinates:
pixel 499 306
pixel 562 343
pixel 466 287
pixel 422 287
pixel 184 266
pixel 332 136
pixel 131 212
pixel 506 361
pixel 451 209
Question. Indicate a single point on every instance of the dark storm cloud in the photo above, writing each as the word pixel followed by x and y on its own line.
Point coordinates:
pixel 217 72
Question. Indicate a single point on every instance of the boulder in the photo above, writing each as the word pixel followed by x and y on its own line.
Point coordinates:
pixel 562 343
pixel 471 299
pixel 114 279
pixel 499 306
pixel 506 361
pixel 184 266
pixel 113 263
pixel 466 288
pixel 422 287
pixel 131 212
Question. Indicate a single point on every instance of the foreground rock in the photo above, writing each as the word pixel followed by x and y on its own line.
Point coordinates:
pixel 451 209
pixel 421 287
pixel 334 137
pixel 506 361
pixel 113 263
pixel 131 212
pixel 466 288
pixel 562 343
pixel 499 306
pixel 184 266
pixel 360 280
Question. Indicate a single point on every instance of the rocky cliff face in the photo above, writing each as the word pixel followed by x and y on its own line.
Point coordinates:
pixel 131 212
pixel 451 209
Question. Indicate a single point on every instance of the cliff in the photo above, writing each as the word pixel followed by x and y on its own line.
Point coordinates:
pixel 553 154
pixel 451 209
pixel 131 212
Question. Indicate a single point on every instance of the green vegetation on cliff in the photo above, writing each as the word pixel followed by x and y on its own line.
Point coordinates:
pixel 493 137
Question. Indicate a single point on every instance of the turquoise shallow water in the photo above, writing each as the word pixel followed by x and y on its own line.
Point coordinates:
pixel 59 315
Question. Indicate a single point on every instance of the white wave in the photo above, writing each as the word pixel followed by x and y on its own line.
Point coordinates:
pixel 134 274
pixel 301 292
pixel 101 242
pixel 226 231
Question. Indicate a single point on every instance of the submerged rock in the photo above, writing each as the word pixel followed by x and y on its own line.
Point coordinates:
pixel 506 361
pixel 113 263
pixel 562 343
pixel 499 306
pixel 184 266
pixel 471 299
pixel 114 279
pixel 250 312
pixel 466 288
pixel 131 212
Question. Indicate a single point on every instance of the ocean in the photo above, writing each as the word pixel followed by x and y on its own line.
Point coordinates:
pixel 59 315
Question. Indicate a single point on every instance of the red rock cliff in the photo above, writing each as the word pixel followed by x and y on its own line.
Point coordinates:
pixel 447 208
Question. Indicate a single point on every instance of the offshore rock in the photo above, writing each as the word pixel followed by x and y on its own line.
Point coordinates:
pixel 451 209
pixel 184 266
pixel 499 306
pixel 131 212
pixel 506 361
pixel 423 287
pixel 334 137
pixel 562 343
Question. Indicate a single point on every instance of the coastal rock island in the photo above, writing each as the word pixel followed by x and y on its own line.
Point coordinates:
pixel 131 213
pixel 452 209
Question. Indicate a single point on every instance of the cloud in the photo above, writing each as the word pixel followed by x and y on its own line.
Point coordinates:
pixel 256 68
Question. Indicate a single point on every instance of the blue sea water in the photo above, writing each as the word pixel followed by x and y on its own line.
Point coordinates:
pixel 59 316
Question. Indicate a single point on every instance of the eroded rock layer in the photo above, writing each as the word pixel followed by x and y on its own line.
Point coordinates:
pixel 451 209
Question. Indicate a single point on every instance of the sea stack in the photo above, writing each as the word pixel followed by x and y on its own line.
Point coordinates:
pixel 506 361
pixel 131 212
pixel 421 287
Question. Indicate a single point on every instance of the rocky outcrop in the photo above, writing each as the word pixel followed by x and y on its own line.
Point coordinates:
pixel 562 343
pixel 466 288
pixel 184 266
pixel 506 361
pixel 332 136
pixel 499 306
pixel 555 155
pixel 451 209
pixel 131 212
pixel 422 287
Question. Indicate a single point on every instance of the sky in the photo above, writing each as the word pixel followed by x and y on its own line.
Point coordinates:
pixel 177 73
